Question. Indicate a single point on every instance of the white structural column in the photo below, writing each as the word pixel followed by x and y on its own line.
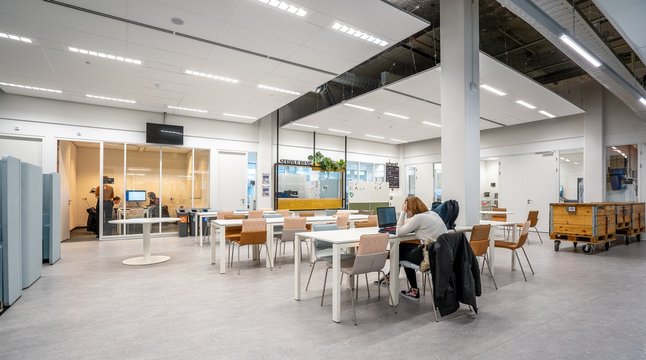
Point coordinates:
pixel 594 162
pixel 460 107
pixel 265 160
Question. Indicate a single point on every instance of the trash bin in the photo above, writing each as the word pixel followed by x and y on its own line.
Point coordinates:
pixel 192 213
pixel 182 214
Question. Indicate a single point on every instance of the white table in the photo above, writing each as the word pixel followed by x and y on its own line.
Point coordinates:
pixel 492 212
pixel 218 228
pixel 199 215
pixel 342 239
pixel 492 236
pixel 147 259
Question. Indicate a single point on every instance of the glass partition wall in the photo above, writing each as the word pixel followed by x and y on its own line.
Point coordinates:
pixel 152 181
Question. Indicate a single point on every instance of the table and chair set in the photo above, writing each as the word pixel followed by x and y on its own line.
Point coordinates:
pixel 348 243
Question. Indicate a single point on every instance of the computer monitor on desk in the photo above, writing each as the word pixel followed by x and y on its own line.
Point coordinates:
pixel 135 196
pixel 387 219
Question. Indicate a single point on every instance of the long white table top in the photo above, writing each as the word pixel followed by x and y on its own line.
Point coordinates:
pixel 348 235
pixel 144 220
pixel 280 220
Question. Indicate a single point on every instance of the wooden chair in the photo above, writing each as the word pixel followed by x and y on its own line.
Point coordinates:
pixel 255 214
pixel 479 242
pixel 371 222
pixel 371 257
pixel 342 220
pixel 254 232
pixel 513 246
pixel 307 214
pixel 532 217
pixel 499 217
pixel 283 213
pixel 231 232
pixel 291 226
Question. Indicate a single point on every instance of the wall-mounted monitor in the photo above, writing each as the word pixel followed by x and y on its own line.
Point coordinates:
pixel 164 134
pixel 135 195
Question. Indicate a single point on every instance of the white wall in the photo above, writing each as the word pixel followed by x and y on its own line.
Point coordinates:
pixel 27 149
pixel 53 120
pixel 488 175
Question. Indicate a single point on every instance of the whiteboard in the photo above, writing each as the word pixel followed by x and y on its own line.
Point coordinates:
pixel 368 191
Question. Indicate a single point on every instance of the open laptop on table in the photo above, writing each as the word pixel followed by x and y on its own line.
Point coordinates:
pixel 387 220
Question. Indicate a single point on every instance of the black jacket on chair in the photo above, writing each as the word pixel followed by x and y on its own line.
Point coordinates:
pixel 456 273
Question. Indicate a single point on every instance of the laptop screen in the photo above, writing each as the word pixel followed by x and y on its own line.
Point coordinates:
pixel 386 217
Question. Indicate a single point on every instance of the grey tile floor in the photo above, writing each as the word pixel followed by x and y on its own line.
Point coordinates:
pixel 90 306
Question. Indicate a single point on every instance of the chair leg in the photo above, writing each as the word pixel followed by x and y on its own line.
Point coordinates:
pixel 354 308
pixel 367 287
pixel 521 264
pixel 530 264
pixel 239 259
pixel 271 266
pixel 490 273
pixel 310 278
pixel 430 288
pixel 280 262
pixel 356 286
pixel 539 234
pixel 324 282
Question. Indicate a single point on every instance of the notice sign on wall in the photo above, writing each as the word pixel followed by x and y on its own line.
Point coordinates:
pixel 392 175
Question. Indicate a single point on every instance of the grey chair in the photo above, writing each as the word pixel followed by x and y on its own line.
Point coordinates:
pixel 330 212
pixel 371 257
pixel 292 226
pixel 323 249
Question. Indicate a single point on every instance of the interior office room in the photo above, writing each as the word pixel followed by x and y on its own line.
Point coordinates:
pixel 131 124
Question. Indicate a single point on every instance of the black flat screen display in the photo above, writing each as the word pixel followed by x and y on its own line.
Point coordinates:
pixel 164 134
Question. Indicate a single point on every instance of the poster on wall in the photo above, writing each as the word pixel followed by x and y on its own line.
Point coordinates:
pixel 392 175
pixel 265 191
pixel 265 178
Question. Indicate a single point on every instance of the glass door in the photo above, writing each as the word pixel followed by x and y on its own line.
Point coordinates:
pixel 143 172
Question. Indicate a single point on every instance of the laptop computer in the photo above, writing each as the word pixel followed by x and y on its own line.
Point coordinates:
pixel 387 220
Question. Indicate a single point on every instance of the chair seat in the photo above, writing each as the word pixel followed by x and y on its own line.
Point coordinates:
pixel 506 244
pixel 344 258
pixel 233 237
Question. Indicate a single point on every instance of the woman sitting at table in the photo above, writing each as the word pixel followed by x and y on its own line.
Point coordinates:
pixel 427 226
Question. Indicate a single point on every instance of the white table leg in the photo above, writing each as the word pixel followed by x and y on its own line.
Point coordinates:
pixel 336 283
pixel 220 232
pixel 492 248
pixel 146 259
pixel 212 242
pixel 394 272
pixel 270 243
pixel 297 269
pixel 199 229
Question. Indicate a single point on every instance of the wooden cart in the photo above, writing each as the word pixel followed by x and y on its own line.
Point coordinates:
pixel 590 224
pixel 634 217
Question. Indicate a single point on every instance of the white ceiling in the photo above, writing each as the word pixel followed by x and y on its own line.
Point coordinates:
pixel 317 51
pixel 427 86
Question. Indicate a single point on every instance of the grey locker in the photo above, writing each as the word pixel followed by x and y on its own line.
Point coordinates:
pixel 31 220
pixel 10 233
pixel 51 217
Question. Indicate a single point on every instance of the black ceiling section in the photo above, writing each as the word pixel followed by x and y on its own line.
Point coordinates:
pixel 503 36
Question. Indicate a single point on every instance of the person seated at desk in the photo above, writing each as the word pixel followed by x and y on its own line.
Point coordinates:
pixel 116 201
pixel 153 205
pixel 427 226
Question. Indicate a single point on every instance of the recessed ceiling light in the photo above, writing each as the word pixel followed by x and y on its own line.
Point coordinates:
pixel 562 158
pixel 187 109
pixel 267 87
pixel 359 107
pixel 307 126
pixel 642 100
pixel 351 30
pixel 576 47
pixel 110 99
pixel 576 163
pixel 240 116
pixel 397 116
pixel 289 8
pixel 525 104
pixel 402 141
pixel 15 37
pixel 104 55
pixel 547 114
pixel 27 87
pixel 374 136
pixel 493 90
pixel 614 147
pixel 567 160
pixel 340 131
pixel 211 76
pixel 430 123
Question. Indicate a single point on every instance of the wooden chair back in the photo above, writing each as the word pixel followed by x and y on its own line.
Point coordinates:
pixel 254 232
pixel 480 239
pixel 499 217
pixel 371 222
pixel 532 217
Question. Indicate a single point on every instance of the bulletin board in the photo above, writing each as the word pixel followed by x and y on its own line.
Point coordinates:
pixel 368 192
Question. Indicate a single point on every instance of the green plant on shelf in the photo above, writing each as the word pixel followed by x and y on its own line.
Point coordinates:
pixel 325 163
